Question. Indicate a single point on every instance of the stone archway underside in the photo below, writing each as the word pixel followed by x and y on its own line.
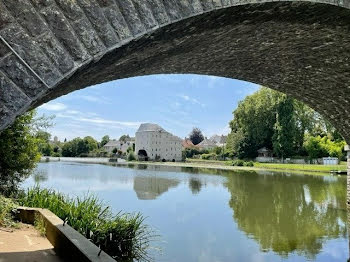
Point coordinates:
pixel 52 47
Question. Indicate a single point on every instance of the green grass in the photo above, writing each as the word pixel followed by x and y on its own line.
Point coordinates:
pixel 39 225
pixel 301 167
pixel 125 237
pixel 6 219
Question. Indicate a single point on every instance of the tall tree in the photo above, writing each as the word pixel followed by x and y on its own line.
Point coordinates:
pixel 196 136
pixel 284 128
pixel 104 140
pixel 124 138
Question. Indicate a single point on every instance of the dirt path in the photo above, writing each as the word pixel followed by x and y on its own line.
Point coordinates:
pixel 25 245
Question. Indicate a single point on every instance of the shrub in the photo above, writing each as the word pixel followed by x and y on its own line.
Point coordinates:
pixel 248 163
pixel 131 156
pixel 122 236
pixel 211 156
pixel 238 162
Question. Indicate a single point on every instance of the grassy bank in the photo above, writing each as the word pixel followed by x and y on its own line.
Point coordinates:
pixel 124 237
pixel 227 165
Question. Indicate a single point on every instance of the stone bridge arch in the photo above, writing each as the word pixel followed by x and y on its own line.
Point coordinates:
pixel 52 47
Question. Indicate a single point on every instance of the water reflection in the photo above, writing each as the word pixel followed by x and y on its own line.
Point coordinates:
pixel 220 215
pixel 150 187
pixel 287 213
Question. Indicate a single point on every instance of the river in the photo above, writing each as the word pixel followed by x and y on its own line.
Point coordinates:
pixel 216 215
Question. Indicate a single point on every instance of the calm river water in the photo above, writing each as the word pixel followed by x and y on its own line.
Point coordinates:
pixel 205 215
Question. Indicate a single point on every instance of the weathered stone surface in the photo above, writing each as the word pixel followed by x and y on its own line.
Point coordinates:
pixel 29 50
pixel 145 14
pixel 61 28
pixel 207 4
pixel 99 22
pixel 88 36
pixel 21 76
pixel 5 17
pixel 57 54
pixel 131 16
pixel 159 11
pixel 3 49
pixel 27 16
pixel 118 22
pixel 11 96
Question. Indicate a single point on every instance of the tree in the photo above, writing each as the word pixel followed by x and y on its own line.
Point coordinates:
pixel 104 140
pixel 196 136
pixel 284 128
pixel 19 152
pixel 124 138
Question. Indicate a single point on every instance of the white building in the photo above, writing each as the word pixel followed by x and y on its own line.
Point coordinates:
pixel 119 145
pixel 154 143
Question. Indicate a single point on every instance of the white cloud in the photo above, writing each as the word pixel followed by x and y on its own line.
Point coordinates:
pixel 192 100
pixel 54 106
pixel 98 121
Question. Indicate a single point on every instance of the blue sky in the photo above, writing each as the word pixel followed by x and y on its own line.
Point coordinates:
pixel 175 102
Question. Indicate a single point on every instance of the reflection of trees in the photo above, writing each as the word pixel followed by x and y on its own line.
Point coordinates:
pixel 288 213
pixel 195 185
pixel 150 187
pixel 40 176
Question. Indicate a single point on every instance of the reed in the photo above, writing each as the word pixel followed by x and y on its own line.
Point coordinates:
pixel 125 237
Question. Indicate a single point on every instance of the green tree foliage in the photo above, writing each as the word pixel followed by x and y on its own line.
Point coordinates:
pixel 317 146
pixel 196 136
pixel 124 138
pixel 19 152
pixel 284 128
pixel 253 123
pixel 79 147
pixel 271 119
pixel 104 140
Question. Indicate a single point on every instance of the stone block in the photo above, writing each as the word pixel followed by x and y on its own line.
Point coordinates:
pixel 145 14
pixel 118 22
pixel 70 9
pixel 22 76
pixel 42 3
pixel 31 53
pixel 55 51
pixel 11 96
pixel 207 4
pixel 88 36
pixel 60 27
pixel 4 115
pixel 197 6
pixel 5 17
pixel 131 16
pixel 99 22
pixel 173 9
pixel 3 49
pixel 159 11
pixel 27 16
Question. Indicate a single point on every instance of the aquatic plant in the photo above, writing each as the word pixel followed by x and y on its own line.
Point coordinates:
pixel 123 236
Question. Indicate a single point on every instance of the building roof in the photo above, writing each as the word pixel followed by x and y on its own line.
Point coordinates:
pixel 112 143
pixel 218 139
pixel 149 127
pixel 206 143
pixel 186 143
pixel 264 149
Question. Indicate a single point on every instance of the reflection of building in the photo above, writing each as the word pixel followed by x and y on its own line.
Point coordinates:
pixel 147 187
pixel 119 145
pixel 154 143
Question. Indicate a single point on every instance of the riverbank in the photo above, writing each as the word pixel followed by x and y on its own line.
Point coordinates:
pixel 224 165
pixel 213 164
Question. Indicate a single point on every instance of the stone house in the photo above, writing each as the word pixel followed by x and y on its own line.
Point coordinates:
pixel 219 140
pixel 155 143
